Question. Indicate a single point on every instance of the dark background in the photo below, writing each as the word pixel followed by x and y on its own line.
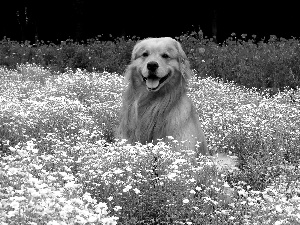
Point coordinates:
pixel 58 20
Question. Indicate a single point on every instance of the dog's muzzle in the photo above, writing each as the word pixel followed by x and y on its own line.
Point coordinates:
pixel 154 82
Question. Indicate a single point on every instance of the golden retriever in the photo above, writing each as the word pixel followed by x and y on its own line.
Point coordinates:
pixel 155 102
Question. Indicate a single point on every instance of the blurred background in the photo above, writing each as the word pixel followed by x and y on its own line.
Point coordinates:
pixel 58 20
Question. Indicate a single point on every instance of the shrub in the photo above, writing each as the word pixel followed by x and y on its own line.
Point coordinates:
pixel 271 64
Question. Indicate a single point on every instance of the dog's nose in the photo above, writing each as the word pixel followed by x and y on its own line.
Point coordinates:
pixel 152 66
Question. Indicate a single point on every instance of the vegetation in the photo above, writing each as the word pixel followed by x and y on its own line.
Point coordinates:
pixel 262 64
pixel 61 165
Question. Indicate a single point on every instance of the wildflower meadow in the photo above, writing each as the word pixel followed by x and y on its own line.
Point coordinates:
pixel 62 164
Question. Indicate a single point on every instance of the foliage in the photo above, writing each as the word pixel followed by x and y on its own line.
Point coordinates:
pixel 95 55
pixel 271 64
pixel 61 165
pixel 35 191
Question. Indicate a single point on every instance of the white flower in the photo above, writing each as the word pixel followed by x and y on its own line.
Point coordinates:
pixel 289 209
pixel 109 221
pixel 278 208
pixel 80 219
pixel 198 188
pixel 127 188
pixel 171 176
pixel 137 191
pixel 226 185
pixel 117 208
pixel 15 205
pixel 243 192
pixel 54 222
pixel 22 153
pixel 101 208
pixel 34 150
pixel 12 213
pixel 88 197
pixel 185 201
pixel 192 180
pixel 118 171
pixel 71 185
pixel 92 219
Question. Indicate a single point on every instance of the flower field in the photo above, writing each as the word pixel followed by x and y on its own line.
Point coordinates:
pixel 60 162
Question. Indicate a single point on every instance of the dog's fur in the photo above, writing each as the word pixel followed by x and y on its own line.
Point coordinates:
pixel 155 102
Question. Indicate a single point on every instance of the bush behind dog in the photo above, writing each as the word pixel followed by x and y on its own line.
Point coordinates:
pixel 271 64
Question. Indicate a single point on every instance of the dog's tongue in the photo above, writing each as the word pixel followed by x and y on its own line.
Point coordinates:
pixel 152 83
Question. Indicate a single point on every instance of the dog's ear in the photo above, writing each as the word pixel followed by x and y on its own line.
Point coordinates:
pixel 135 50
pixel 127 74
pixel 184 63
pixel 130 68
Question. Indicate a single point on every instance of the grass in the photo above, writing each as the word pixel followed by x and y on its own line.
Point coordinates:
pixel 60 164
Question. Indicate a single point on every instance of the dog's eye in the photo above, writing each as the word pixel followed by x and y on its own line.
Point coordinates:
pixel 165 56
pixel 145 54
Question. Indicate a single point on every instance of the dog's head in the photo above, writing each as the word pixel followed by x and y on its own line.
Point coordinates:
pixel 156 60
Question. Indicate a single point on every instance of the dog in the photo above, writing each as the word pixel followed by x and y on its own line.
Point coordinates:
pixel 155 103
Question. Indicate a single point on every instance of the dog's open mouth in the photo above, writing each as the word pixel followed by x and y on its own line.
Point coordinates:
pixel 154 82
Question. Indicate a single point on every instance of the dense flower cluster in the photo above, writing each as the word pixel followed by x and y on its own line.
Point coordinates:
pixel 60 162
